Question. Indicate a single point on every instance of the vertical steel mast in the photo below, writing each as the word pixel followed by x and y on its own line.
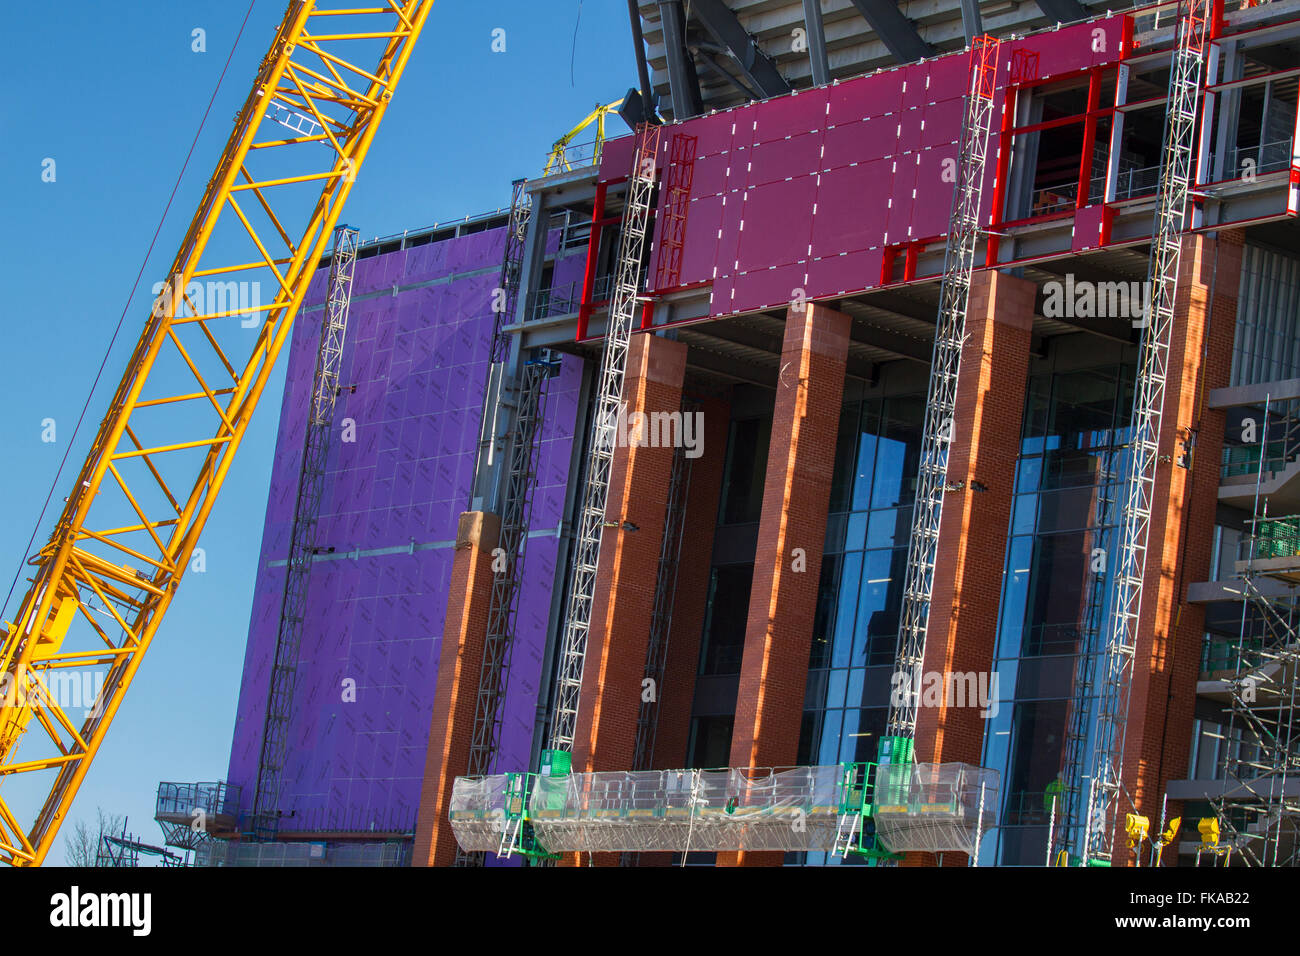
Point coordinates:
pixel 941 400
pixel 600 450
pixel 1116 674
pixel 302 536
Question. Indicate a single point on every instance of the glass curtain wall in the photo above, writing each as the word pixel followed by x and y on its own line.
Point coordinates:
pixel 1056 593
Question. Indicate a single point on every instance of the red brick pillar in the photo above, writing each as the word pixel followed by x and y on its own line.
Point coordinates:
pixel 605 736
pixel 973 535
pixel 459 664
pixel 791 534
pixel 629 562
pixel 1167 662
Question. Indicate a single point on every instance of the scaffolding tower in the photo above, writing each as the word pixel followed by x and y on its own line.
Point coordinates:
pixel 941 399
pixel 302 537
pixel 1104 783
pixel 1256 815
pixel 600 448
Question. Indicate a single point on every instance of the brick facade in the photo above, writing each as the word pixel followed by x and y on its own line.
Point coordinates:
pixel 459 666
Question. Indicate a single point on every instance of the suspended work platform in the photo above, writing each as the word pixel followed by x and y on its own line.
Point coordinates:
pixel 875 811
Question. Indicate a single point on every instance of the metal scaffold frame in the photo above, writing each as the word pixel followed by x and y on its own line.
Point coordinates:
pixel 1105 785
pixel 302 536
pixel 1261 739
pixel 941 399
pixel 600 449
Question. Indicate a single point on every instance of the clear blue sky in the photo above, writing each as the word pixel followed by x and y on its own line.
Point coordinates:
pixel 113 93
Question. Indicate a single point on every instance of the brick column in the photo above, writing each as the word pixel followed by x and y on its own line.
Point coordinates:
pixel 972 539
pixel 1167 661
pixel 796 497
pixel 605 736
pixel 459 665
pixel 702 501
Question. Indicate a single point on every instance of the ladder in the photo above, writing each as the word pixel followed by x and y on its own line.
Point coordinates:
pixel 1116 677
pixel 600 452
pixel 302 537
pixel 937 433
pixel 846 831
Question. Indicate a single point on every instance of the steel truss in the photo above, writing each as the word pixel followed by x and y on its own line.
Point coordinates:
pixel 303 542
pixel 133 516
pixel 600 450
pixel 1116 671
pixel 941 400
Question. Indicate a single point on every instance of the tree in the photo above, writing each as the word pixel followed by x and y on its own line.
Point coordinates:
pixel 82 844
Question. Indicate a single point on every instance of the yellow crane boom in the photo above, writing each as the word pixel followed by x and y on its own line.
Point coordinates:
pixel 132 520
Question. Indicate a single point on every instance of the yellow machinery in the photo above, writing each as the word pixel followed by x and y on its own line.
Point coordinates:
pixel 133 517
pixel 1137 828
pixel 557 161
pixel 1208 827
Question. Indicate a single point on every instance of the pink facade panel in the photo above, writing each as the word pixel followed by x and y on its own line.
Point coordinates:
pixel 810 190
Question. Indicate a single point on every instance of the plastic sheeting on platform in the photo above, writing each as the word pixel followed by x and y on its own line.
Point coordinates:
pixel 688 810
pixel 934 807
pixel 477 812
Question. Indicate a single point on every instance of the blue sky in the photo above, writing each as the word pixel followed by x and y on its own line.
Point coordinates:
pixel 113 93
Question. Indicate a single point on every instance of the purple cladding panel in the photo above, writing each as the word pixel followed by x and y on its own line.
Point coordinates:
pixel 807 191
pixel 400 466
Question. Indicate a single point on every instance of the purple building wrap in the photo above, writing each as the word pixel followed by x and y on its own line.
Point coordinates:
pixel 401 465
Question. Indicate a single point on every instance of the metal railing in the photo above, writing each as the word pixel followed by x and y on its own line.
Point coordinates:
pixel 182 799
pixel 1278 442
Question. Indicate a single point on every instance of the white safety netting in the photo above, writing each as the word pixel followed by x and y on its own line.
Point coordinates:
pixel 478 812
pixel 934 807
pixel 681 810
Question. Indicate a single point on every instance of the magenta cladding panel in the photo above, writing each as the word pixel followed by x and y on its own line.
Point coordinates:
pixel 808 190
pixel 413 371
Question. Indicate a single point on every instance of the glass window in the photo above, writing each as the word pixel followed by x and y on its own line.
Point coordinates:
pixel 710 742
pixel 742 490
pixel 725 617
